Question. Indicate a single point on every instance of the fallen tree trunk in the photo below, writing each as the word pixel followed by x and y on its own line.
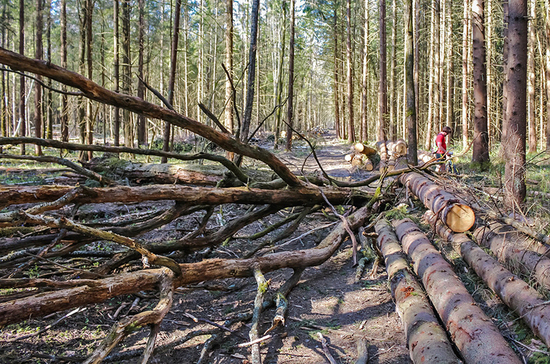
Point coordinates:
pixel 145 280
pixel 456 215
pixel 514 292
pixel 473 332
pixel 427 341
pixel 364 149
pixel 516 250
pixel 192 195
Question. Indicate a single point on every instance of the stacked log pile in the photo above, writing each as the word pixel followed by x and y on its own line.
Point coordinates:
pixel 384 157
pixel 362 156
pixel 390 152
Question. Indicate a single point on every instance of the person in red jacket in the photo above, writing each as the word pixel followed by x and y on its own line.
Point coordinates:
pixel 441 144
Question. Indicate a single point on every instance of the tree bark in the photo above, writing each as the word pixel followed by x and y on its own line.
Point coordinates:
pixel 116 66
pixel 480 151
pixel 142 127
pixel 514 292
pixel 22 95
pixel 531 102
pixel 229 66
pixel 457 216
pixel 336 85
pixel 465 73
pixel 516 98
pixel 172 80
pixel 365 76
pixel 38 54
pixel 247 118
pixel 351 127
pixel 126 71
pixel 427 341
pixel 477 338
pixel 290 101
pixel 547 27
pixel 383 82
pixel 197 195
pixel 410 98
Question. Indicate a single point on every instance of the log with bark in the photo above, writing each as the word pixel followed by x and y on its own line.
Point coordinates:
pixel 458 216
pixel 426 339
pixel 517 251
pixel 193 195
pixel 514 292
pixel 364 149
pixel 477 338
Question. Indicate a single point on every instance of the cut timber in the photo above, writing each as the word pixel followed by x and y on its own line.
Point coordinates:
pixel 399 147
pixel 427 341
pixel 457 216
pixel 100 290
pixel 349 157
pixel 473 332
pixel 363 149
pixel 357 161
pixel 192 195
pixel 367 165
pixel 516 250
pixel 425 157
pixel 514 292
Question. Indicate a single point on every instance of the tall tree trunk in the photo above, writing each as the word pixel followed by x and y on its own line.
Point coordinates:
pixel 245 127
pixel 64 100
pixel 490 87
pixel 516 75
pixel 5 86
pixel 505 52
pixel 393 88
pixel 127 72
pixel 81 118
pixel 89 59
pixel 280 76
pixel 142 130
pixel 116 55
pixel 432 72
pixel 229 65
pixel 480 152
pixel 547 8
pixel 290 110
pixel 49 94
pixel 22 96
pixel 336 87
pixel 449 118
pixel 383 82
pixel 410 109
pixel 365 76
pixel 172 80
pixel 465 72
pixel 531 43
pixel 37 87
pixel 351 128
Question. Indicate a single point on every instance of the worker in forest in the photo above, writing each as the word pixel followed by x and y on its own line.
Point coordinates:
pixel 441 143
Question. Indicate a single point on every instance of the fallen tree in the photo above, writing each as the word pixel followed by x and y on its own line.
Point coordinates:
pixel 427 341
pixel 458 216
pixel 477 338
pixel 516 250
pixel 95 291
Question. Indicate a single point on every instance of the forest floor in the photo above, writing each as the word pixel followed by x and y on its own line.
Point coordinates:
pixel 327 300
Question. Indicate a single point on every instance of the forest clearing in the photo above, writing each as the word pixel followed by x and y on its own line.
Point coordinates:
pixel 275 182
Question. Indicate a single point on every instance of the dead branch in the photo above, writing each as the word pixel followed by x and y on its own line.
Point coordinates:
pixel 144 280
pixel 95 92
pixel 119 149
pixel 127 326
pixel 65 162
pixel 258 303
pixel 327 353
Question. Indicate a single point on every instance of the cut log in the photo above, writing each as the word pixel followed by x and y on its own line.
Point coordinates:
pixel 368 165
pixel 349 157
pixel 477 338
pixel 192 195
pixel 457 216
pixel 399 147
pixel 516 251
pixel 145 280
pixel 357 160
pixel 364 149
pixel 514 292
pixel 425 157
pixel 426 339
